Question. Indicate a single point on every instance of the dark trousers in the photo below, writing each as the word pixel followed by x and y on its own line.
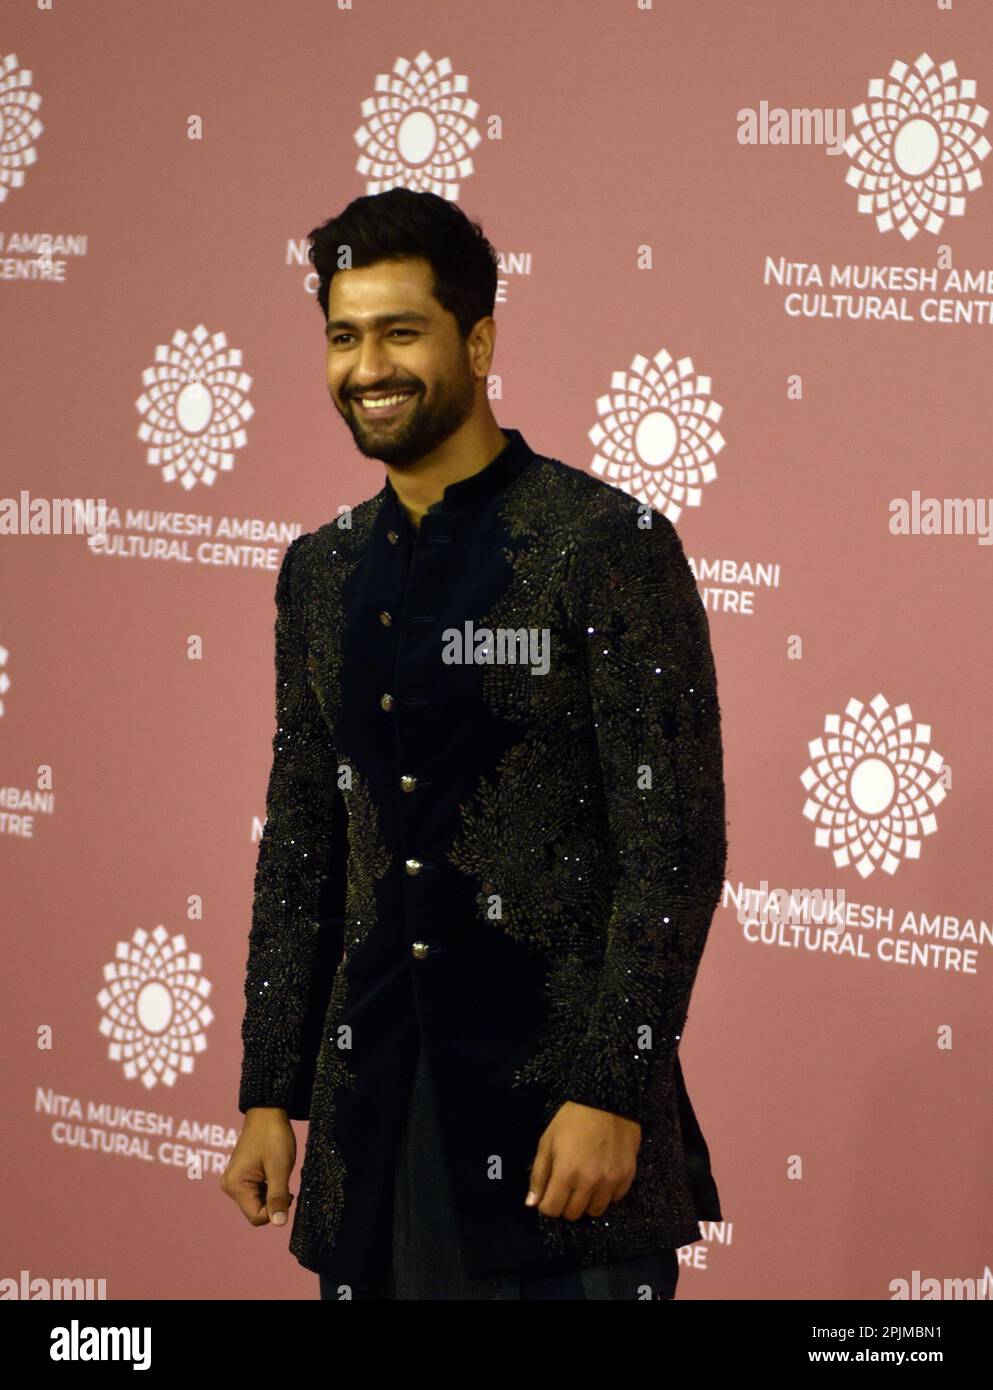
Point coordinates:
pixel 575 1285
pixel 422 1258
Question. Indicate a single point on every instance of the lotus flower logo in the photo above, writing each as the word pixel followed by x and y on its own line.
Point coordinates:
pixel 417 131
pixel 194 407
pixel 917 146
pixel 873 786
pixel 656 437
pixel 19 126
pixel 153 1007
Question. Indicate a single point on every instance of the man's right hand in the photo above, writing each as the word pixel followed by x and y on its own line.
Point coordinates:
pixel 258 1173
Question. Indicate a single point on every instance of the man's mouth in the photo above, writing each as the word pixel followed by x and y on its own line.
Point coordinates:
pixel 383 407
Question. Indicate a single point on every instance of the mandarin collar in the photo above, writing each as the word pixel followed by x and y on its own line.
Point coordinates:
pixel 512 459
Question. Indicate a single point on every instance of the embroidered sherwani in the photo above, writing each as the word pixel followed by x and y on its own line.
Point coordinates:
pixel 495 833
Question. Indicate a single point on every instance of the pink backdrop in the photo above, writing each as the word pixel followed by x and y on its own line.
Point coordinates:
pixel 842 1085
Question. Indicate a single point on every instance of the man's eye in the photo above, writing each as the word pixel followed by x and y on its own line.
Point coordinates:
pixel 338 337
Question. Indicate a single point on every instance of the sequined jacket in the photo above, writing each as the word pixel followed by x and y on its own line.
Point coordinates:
pixel 495 830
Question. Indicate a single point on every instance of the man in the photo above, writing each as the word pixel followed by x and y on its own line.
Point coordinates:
pixel 495 831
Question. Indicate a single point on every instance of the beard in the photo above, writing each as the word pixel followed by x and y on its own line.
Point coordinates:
pixel 420 428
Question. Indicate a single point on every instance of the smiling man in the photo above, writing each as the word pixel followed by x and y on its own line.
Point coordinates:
pixel 484 884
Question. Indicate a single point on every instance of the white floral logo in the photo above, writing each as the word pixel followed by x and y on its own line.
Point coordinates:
pixel 417 131
pixel 657 435
pixel 153 1007
pixel 194 407
pixel 917 147
pixel 873 786
pixel 19 126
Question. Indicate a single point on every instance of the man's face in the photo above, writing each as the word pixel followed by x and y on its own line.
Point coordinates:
pixel 387 335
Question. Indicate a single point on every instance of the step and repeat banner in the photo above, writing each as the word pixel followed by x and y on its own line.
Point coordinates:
pixel 746 274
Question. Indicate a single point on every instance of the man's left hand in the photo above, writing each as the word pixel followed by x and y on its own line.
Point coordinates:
pixel 586 1159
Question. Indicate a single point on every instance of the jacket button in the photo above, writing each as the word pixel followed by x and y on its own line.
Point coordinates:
pixel 386 701
pixel 408 783
pixel 392 537
pixel 420 949
pixel 413 866
pixel 385 618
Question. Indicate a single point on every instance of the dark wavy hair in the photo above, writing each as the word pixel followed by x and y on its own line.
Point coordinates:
pixel 400 224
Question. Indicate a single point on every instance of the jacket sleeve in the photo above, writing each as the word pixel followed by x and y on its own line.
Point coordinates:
pixel 653 690
pixel 296 936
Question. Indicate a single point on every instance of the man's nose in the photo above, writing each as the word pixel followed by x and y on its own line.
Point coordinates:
pixel 373 365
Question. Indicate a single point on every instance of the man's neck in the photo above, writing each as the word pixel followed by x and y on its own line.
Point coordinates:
pixel 469 450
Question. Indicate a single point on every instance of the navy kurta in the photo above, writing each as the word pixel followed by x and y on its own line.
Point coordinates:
pixel 423 1258
pixel 495 832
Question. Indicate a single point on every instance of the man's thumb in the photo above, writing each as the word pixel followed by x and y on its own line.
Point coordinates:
pixel 277 1197
pixel 539 1175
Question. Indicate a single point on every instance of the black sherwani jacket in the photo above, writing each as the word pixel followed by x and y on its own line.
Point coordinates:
pixel 495 830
